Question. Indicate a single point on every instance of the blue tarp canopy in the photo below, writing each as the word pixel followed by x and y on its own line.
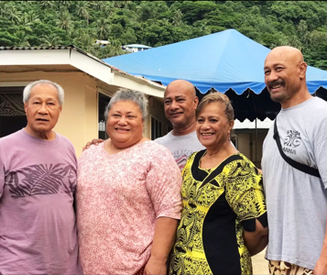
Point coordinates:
pixel 227 61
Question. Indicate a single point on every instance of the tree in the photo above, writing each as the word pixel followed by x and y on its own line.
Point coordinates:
pixel 303 33
pixel 22 40
pixel 7 39
pixel 288 10
pixel 318 40
pixel 62 4
pixel 82 10
pixel 99 5
pixel 3 6
pixel 11 12
pixel 178 18
pixel 84 39
pixel 102 28
pixel 46 4
pixel 64 21
pixel 50 40
pixel 196 10
pixel 155 23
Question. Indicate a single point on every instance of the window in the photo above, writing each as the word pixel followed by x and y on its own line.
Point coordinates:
pixel 12 113
pixel 103 102
pixel 155 128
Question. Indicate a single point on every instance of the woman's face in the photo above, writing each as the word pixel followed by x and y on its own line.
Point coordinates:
pixel 125 124
pixel 213 128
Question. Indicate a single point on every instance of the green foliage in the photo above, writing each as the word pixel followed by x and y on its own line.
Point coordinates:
pixel 301 24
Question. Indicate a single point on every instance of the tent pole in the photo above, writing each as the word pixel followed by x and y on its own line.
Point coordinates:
pixel 256 144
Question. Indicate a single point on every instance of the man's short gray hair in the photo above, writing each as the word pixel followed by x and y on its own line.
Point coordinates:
pixel 29 87
pixel 129 95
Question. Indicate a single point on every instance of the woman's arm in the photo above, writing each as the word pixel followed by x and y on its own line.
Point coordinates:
pixel 94 141
pixel 257 240
pixel 163 240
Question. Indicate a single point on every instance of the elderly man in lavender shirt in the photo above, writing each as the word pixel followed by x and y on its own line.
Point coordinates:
pixel 37 184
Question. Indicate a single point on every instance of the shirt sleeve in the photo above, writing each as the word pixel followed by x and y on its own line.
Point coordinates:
pixel 164 182
pixel 320 149
pixel 245 194
pixel 2 177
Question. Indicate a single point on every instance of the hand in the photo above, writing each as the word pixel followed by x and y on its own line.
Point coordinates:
pixel 321 267
pixel 155 267
pixel 93 142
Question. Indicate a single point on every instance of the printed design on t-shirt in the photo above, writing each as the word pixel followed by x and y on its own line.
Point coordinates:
pixel 181 157
pixel 293 138
pixel 181 161
pixel 41 179
pixel 291 141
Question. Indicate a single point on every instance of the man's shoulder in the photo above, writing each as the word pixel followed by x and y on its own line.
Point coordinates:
pixel 189 140
pixel 11 138
pixel 163 139
pixel 314 103
pixel 64 139
pixel 169 137
pixel 320 105
pixel 312 114
pixel 66 143
pixel 181 145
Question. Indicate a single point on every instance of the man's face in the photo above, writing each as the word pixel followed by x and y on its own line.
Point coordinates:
pixel 42 110
pixel 180 104
pixel 283 73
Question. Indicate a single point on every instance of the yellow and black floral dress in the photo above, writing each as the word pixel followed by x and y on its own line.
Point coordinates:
pixel 218 204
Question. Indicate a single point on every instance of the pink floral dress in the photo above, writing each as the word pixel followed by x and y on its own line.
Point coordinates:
pixel 119 198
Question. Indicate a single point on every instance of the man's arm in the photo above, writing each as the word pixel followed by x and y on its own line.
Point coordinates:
pixel 320 147
pixel 2 177
pixel 321 265
pixel 257 240
pixel 163 240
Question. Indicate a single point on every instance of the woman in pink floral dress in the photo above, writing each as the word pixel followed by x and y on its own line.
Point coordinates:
pixel 128 196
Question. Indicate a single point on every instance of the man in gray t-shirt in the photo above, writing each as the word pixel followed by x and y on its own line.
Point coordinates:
pixel 180 103
pixel 296 201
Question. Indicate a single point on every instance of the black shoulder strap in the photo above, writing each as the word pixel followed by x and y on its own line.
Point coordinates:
pixel 302 167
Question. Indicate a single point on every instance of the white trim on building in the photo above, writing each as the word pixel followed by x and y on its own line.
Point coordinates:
pixel 81 61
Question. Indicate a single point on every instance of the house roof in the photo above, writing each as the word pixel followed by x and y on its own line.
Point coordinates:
pixel 72 58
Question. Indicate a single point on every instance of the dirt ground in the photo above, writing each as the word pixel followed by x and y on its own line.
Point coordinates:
pixel 260 264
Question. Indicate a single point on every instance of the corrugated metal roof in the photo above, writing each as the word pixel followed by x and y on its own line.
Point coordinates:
pixel 4 48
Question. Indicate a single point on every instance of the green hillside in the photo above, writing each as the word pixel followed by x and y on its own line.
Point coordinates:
pixel 155 23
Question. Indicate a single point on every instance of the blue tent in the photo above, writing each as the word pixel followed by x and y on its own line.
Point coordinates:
pixel 227 61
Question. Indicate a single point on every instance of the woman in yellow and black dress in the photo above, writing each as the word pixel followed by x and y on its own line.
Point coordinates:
pixel 224 219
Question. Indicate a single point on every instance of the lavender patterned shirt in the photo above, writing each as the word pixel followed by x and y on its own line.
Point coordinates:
pixel 37 219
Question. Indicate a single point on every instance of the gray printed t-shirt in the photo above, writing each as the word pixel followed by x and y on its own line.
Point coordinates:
pixel 37 219
pixel 181 146
pixel 296 201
